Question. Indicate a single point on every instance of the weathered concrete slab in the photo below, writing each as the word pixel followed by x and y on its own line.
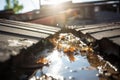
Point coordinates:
pixel 30 25
pixel 116 40
pixel 110 33
pixel 27 29
pixel 93 26
pixel 100 29
pixel 23 32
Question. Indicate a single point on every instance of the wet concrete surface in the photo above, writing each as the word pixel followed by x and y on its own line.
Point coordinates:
pixel 71 60
pixel 11 45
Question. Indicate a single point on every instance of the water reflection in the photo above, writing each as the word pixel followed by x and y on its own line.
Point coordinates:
pixel 71 59
pixel 68 60
pixel 61 68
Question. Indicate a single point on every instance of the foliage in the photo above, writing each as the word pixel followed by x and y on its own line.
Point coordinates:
pixel 13 4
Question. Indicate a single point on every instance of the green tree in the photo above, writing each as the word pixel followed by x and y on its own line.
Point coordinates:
pixel 13 4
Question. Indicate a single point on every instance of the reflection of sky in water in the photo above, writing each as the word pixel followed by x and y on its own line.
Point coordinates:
pixel 65 65
pixel 61 68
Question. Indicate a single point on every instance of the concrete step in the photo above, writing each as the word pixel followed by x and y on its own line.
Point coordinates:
pixel 23 32
pixel 27 29
pixel 30 25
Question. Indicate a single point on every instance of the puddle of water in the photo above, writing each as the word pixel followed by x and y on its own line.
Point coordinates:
pixel 68 61
pixel 71 59
pixel 61 68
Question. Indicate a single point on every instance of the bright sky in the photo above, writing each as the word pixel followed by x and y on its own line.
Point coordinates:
pixel 30 5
